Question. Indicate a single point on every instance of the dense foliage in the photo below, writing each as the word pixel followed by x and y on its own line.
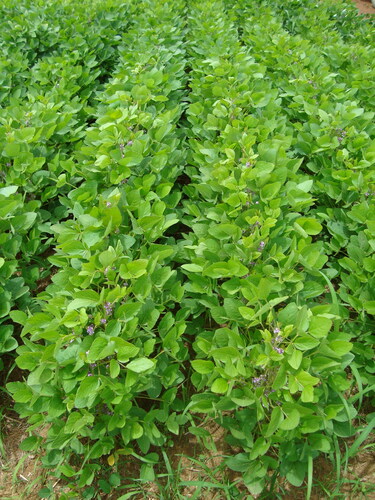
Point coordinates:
pixel 187 227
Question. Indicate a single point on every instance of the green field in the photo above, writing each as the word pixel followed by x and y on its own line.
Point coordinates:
pixel 187 247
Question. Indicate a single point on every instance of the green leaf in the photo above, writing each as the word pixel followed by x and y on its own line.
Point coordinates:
pixel 369 306
pixel 203 366
pixel 319 326
pixel 100 349
pixel 8 190
pixel 193 268
pixel 84 298
pixel 310 225
pixel 18 317
pixel 30 443
pixel 304 378
pixel 87 392
pixel 225 269
pixel 295 359
pixel 220 386
pixel 291 421
pixel 140 365
pixel 114 368
pixel 133 269
pixel 276 419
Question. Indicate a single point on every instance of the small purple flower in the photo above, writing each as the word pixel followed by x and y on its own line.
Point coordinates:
pixel 129 143
pixel 89 374
pixel 90 330
pixel 125 284
pixel 257 381
pixel 276 330
pixel 261 246
pixel 248 164
pixel 103 321
pixel 108 308
pixel 279 350
pixel 108 204
pixel 278 339
pixel 121 146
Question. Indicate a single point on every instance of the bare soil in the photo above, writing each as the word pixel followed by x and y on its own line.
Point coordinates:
pixel 364 6
pixel 22 476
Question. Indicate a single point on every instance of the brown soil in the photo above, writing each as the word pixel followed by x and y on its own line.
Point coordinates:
pixel 21 475
pixel 364 6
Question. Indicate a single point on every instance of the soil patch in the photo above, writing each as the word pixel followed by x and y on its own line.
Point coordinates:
pixel 364 6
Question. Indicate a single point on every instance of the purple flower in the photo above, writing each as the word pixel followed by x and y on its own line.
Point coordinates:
pixel 261 246
pixel 129 143
pixel 89 374
pixel 248 164
pixel 278 339
pixel 90 330
pixel 279 350
pixel 276 330
pixel 125 283
pixel 103 321
pixel 257 381
pixel 108 308
pixel 108 204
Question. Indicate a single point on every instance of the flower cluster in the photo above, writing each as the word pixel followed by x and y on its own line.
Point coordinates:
pixel 108 308
pixel 261 246
pixel 341 134
pixel 257 381
pixel 277 340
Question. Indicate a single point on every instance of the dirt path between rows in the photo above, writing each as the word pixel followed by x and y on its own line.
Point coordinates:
pixel 364 6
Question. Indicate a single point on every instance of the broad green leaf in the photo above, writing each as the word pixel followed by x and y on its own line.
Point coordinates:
pixel 291 421
pixel 319 326
pixel 203 366
pixel 140 365
pixel 220 386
